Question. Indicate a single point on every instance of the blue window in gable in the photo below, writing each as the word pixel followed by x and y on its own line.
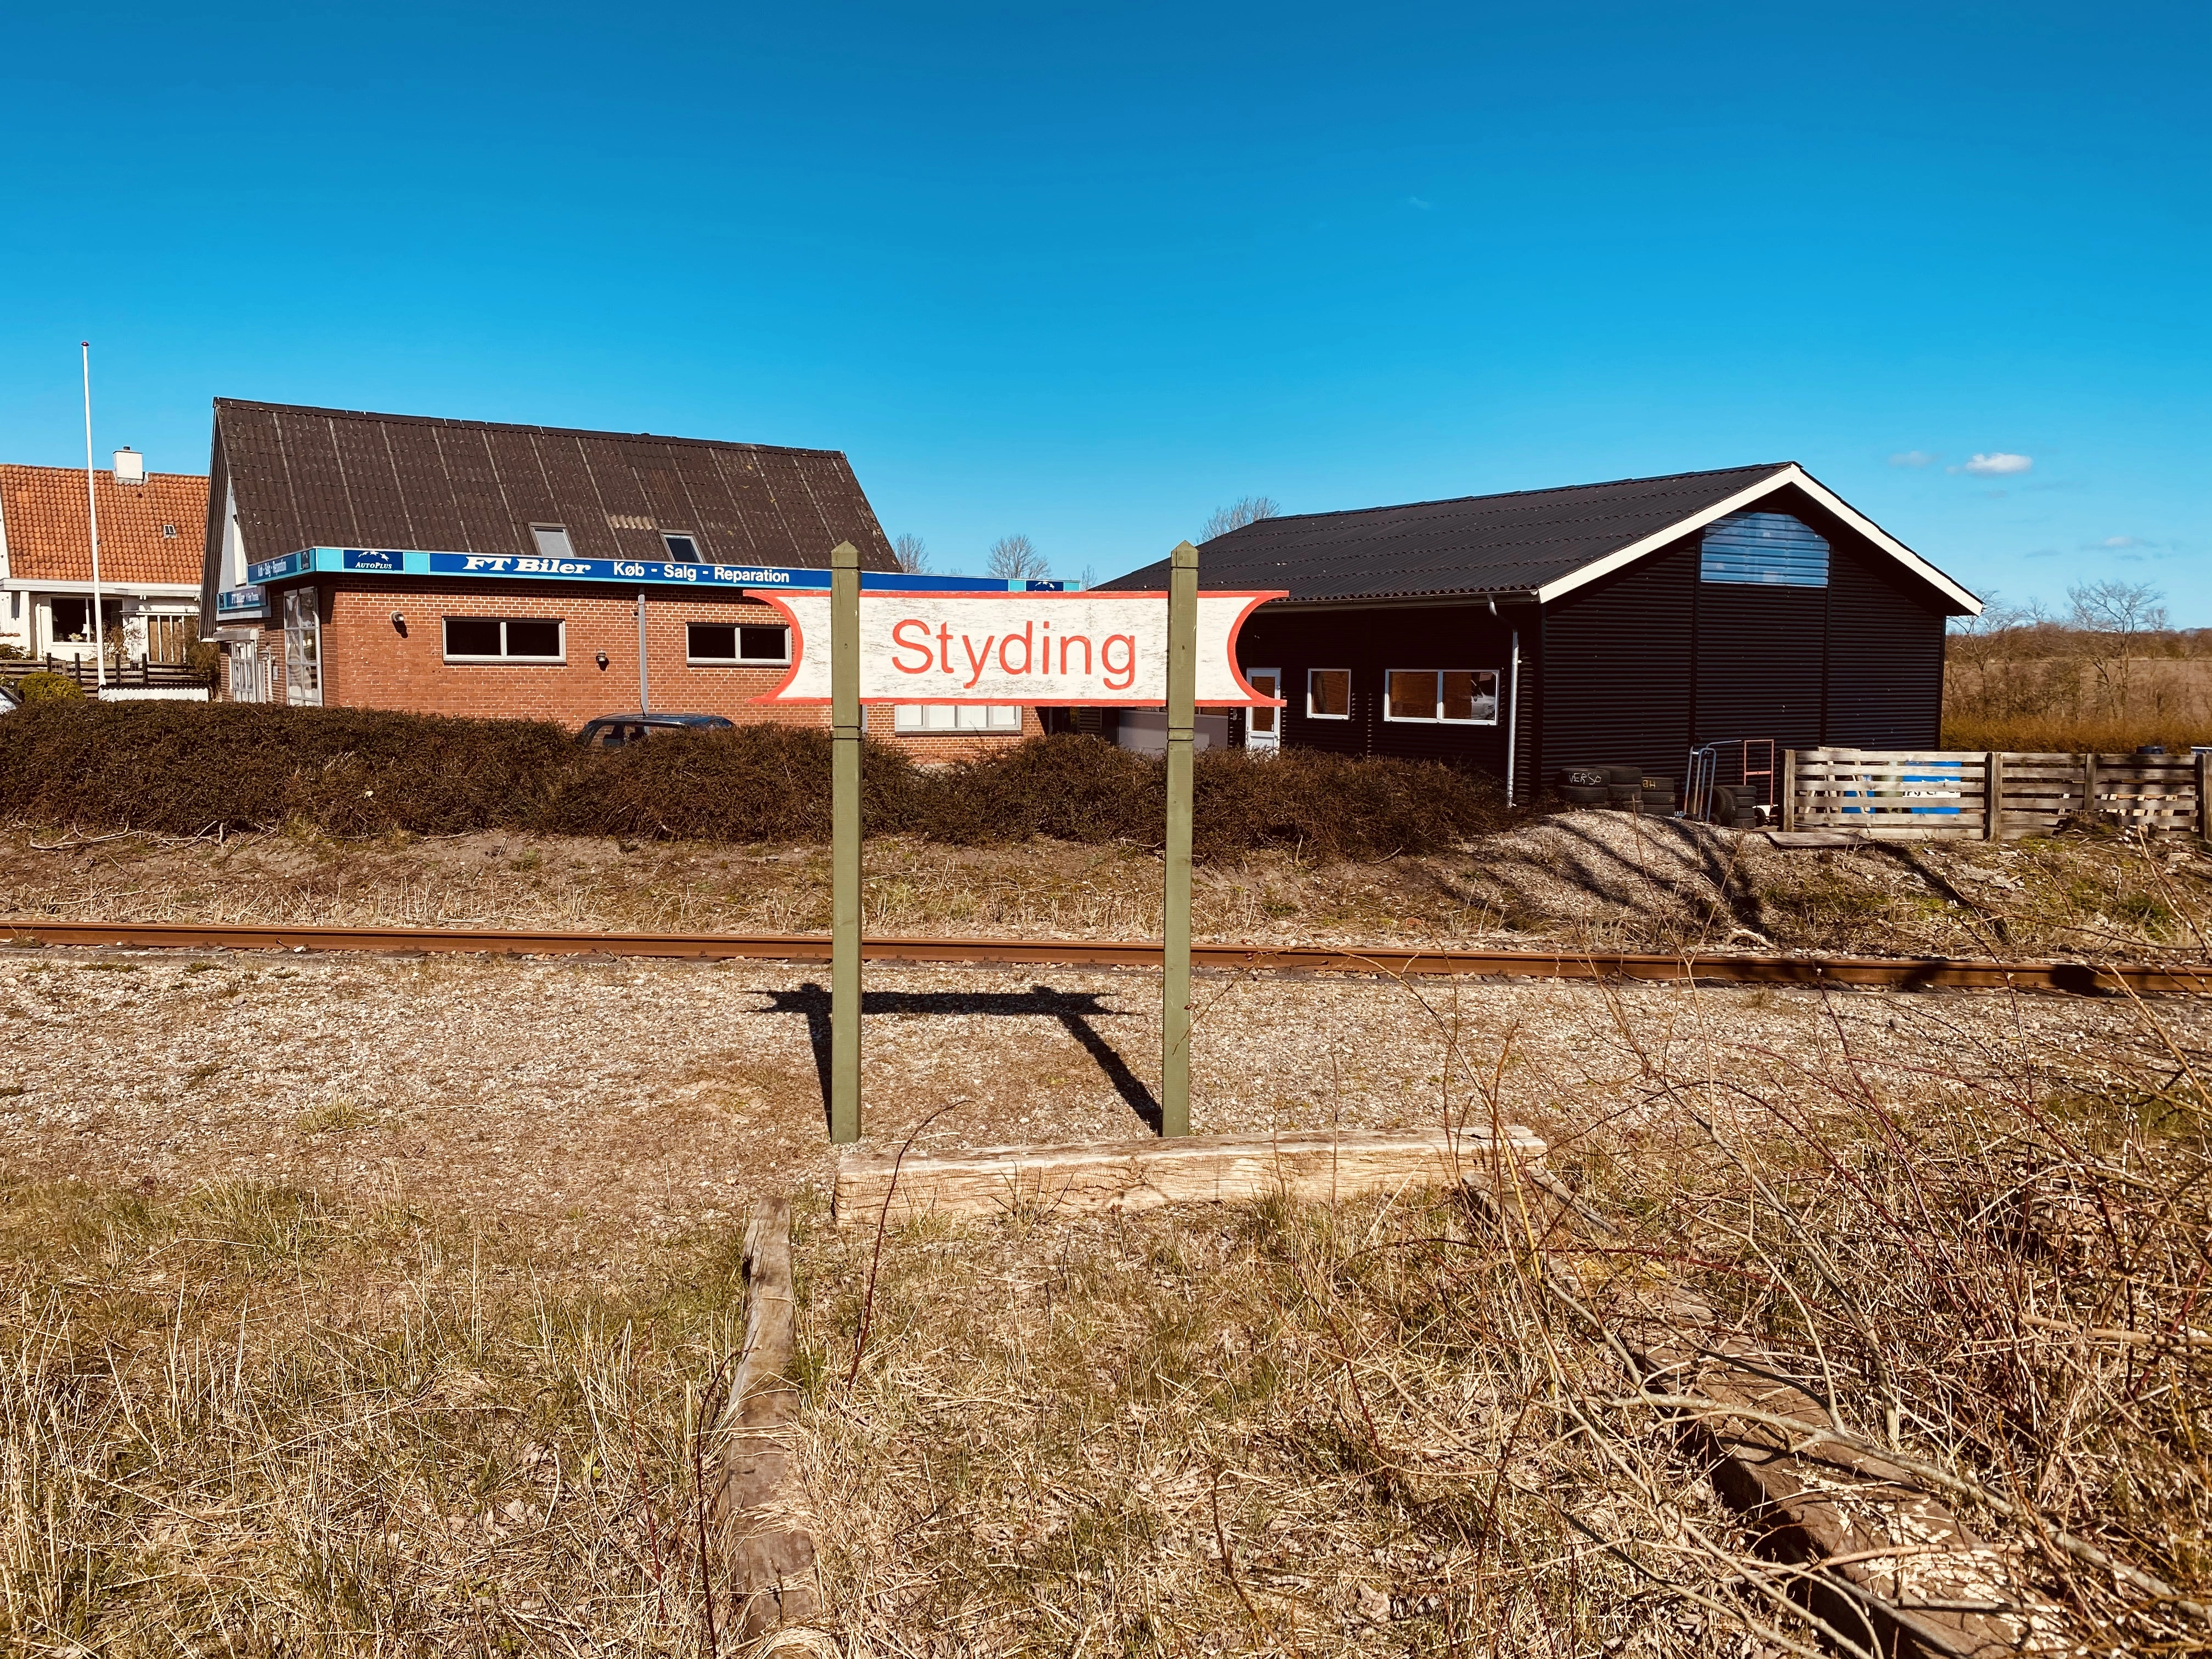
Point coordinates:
pixel 1770 548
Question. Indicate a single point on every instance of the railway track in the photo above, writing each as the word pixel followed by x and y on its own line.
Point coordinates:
pixel 1907 973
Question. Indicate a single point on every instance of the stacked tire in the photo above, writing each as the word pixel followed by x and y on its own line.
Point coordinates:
pixel 1737 805
pixel 1625 788
pixel 1585 786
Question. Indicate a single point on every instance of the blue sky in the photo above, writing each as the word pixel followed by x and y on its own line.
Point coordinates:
pixel 1088 272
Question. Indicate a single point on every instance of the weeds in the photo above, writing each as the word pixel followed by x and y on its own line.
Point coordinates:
pixel 252 1423
pixel 257 1416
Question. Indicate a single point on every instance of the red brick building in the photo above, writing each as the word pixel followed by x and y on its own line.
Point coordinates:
pixel 470 568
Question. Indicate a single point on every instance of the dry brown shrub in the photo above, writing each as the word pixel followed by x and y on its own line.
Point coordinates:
pixel 189 769
pixel 2060 734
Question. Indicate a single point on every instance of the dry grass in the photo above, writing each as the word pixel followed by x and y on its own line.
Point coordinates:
pixel 254 1418
pixel 1588 880
pixel 252 1421
pixel 2047 733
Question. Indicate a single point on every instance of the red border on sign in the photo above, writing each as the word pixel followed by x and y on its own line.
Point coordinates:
pixel 1254 598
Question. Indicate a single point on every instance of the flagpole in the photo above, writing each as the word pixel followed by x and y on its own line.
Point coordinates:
pixel 92 513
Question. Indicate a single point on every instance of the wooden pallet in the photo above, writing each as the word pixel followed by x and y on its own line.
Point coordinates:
pixel 1932 795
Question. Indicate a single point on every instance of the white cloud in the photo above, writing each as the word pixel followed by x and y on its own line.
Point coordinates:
pixel 1996 464
pixel 2116 543
pixel 1415 201
pixel 1913 457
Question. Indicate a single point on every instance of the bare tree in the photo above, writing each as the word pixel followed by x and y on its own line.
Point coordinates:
pixel 1250 510
pixel 912 555
pixel 2115 617
pixel 1016 558
pixel 2010 661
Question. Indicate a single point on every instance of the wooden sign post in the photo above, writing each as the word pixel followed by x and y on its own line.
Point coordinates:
pixel 845 892
pixel 1177 650
pixel 1175 878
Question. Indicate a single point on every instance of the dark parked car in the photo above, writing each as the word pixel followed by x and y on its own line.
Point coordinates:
pixel 613 730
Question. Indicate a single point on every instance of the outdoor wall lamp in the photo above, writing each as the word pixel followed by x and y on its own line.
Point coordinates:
pixel 399 622
pixel 601 660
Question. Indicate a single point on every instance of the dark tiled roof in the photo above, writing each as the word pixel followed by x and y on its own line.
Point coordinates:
pixel 42 513
pixel 334 477
pixel 1507 544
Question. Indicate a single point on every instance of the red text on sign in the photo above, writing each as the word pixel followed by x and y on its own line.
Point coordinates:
pixel 1116 659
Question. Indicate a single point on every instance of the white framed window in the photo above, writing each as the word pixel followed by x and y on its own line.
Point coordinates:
pixel 1328 694
pixel 682 547
pixel 303 649
pixel 735 645
pixel 552 541
pixel 506 639
pixel 1441 697
pixel 1263 727
pixel 956 717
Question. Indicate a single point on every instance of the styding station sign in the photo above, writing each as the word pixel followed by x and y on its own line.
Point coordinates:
pixel 1059 649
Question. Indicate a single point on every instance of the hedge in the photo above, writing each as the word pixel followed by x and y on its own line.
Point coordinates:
pixel 189 768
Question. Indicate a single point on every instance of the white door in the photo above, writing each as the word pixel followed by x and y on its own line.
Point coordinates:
pixel 1263 727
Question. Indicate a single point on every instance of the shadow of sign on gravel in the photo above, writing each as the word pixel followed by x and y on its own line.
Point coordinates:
pixel 1074 1010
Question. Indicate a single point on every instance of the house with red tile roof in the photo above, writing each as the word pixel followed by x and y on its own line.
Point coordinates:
pixel 153 527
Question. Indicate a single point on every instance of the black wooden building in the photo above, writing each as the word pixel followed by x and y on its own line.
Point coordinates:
pixel 1615 623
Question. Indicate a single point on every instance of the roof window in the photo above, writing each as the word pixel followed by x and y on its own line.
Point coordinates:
pixel 682 548
pixel 552 541
pixel 1764 549
pixel 169 531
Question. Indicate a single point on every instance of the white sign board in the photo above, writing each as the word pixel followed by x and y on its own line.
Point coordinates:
pixel 1056 650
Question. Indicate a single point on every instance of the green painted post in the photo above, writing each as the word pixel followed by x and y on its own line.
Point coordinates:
pixel 845 843
pixel 1182 719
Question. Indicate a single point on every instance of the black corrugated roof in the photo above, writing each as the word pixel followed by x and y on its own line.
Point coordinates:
pixel 336 477
pixel 1507 544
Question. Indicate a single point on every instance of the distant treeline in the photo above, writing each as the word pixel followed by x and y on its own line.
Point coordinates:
pixel 2113 675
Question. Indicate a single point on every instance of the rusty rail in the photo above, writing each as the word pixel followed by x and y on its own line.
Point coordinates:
pixel 1699 967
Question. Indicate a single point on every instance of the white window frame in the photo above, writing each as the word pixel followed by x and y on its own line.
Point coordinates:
pixel 955 718
pixel 1311 714
pixel 302 610
pixel 1255 739
pixel 1496 693
pixel 697 555
pixel 561 623
pixel 691 661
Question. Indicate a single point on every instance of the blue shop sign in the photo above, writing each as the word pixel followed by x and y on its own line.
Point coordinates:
pixel 241 603
pixel 269 570
pixel 628 573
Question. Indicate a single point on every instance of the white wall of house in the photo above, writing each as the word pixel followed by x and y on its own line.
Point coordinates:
pixel 55 618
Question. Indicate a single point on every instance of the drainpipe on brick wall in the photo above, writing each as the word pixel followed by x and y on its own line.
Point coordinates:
pixel 643 706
